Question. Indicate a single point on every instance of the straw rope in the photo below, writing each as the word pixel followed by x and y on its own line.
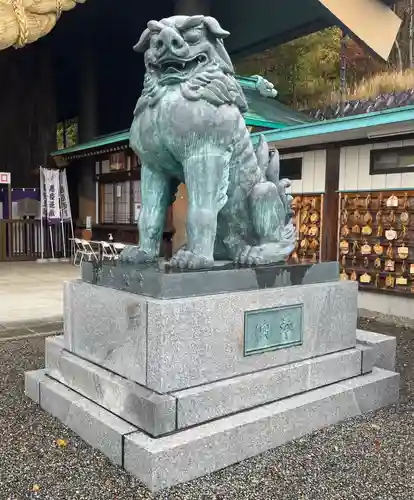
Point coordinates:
pixel 25 21
pixel 22 23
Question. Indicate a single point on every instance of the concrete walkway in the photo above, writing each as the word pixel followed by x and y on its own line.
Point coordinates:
pixel 31 297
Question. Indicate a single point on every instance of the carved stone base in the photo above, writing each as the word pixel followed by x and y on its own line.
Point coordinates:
pixel 176 388
pixel 175 344
pixel 160 414
pixel 169 460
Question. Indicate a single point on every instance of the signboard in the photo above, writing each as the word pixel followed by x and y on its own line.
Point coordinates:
pixel 117 162
pixel 270 329
pixel 5 178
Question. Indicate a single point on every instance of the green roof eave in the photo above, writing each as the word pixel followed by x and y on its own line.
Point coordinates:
pixel 120 137
pixel 323 129
pixel 253 121
pixel 249 82
pixel 314 132
pixel 99 142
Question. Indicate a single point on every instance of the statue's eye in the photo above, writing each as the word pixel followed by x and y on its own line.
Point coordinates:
pixel 156 42
pixel 192 36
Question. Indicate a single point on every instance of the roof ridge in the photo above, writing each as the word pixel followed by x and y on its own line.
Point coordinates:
pixel 383 101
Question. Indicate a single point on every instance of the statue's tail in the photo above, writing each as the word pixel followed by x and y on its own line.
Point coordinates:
pixel 269 165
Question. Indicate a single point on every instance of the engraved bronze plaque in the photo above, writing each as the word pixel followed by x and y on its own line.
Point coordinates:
pixel 270 329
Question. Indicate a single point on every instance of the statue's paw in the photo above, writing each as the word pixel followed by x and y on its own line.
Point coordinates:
pixel 253 256
pixel 258 255
pixel 134 255
pixel 243 255
pixel 184 259
pixel 268 253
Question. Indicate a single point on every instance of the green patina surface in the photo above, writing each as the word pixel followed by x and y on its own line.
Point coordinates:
pixel 263 112
pixel 189 128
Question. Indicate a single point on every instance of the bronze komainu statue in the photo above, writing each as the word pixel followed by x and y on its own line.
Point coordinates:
pixel 188 127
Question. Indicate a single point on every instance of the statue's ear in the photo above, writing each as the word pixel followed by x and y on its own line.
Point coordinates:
pixel 143 42
pixel 224 56
pixel 214 27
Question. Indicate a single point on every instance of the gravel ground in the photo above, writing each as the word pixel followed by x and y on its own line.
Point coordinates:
pixel 367 458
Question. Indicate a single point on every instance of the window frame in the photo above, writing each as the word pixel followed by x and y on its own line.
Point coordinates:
pixel 131 173
pixel 294 159
pixel 66 125
pixel 398 170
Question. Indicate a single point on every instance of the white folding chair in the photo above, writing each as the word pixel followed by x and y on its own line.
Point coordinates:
pixel 87 252
pixel 78 250
pixel 107 251
pixel 118 247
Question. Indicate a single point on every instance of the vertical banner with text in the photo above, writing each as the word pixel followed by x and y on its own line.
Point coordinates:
pixel 56 214
pixel 51 195
pixel 64 202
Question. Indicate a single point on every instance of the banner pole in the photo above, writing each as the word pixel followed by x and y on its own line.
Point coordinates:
pixel 54 215
pixel 42 259
pixel 62 215
pixel 66 211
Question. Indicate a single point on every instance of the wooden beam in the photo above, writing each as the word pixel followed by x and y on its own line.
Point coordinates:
pixel 330 206
pixel 192 7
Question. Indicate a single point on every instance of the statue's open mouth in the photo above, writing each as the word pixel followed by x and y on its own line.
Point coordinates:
pixel 175 70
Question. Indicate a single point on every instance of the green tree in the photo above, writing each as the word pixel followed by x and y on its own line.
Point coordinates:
pixel 304 71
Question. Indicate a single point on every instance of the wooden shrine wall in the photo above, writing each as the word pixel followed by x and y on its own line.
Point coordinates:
pixel 355 175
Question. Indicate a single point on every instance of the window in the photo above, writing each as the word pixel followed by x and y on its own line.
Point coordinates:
pixel 117 203
pixel 291 168
pixel 120 189
pixel 67 133
pixel 108 203
pixel 123 202
pixel 392 160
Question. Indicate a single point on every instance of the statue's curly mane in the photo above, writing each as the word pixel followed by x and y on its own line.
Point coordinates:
pixel 211 84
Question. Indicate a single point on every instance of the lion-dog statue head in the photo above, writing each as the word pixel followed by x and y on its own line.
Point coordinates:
pixel 188 51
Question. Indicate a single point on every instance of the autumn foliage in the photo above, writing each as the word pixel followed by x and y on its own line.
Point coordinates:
pixel 306 72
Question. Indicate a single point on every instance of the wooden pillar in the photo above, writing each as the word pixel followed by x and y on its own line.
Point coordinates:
pixel 192 7
pixel 180 218
pixel 330 206
pixel 87 120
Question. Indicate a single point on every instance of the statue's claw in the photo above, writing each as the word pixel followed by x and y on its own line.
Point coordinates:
pixel 134 255
pixel 257 256
pixel 268 253
pixel 184 259
pixel 243 255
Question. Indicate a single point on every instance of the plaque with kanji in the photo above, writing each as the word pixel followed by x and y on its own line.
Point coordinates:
pixel 270 329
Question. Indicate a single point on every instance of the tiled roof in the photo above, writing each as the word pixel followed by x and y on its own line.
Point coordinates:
pixel 358 107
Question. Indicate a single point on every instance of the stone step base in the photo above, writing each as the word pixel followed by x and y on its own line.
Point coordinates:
pixel 163 462
pixel 159 414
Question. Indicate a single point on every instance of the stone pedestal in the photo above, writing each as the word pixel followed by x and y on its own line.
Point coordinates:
pixel 174 388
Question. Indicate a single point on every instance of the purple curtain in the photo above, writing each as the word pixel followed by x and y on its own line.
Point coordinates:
pixel 17 195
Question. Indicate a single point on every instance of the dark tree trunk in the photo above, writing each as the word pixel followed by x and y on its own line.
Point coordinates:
pixel 27 112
